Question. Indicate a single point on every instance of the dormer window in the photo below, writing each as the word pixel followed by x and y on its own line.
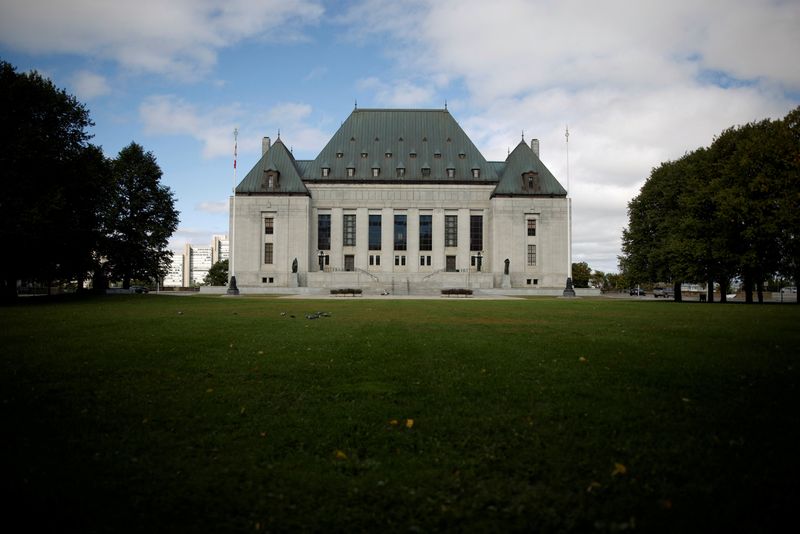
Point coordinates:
pixel 437 155
pixel 476 173
pixel 451 172
pixel 376 171
pixel 401 172
pixel 326 172
pixel 530 181
pixel 339 155
pixel 364 155
pixel 388 154
pixel 351 171
pixel 412 154
pixel 426 171
pixel 271 180
pixel 461 155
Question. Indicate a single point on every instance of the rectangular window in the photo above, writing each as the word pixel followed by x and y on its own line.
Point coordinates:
pixel 374 232
pixel 375 259
pixel 349 231
pixel 426 232
pixel 531 227
pixel 476 232
pixel 268 253
pixel 268 226
pixel 425 261
pixel 324 231
pixel 531 254
pixel 451 230
pixel 400 232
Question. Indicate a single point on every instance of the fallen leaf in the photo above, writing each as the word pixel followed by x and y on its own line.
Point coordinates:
pixel 593 486
pixel 393 422
pixel 340 455
pixel 409 423
pixel 619 469
pixel 582 359
pixel 210 390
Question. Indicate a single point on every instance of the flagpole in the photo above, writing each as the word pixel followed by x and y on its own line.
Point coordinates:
pixel 568 289
pixel 232 289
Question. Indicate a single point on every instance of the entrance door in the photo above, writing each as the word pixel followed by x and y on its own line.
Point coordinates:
pixel 349 262
pixel 450 264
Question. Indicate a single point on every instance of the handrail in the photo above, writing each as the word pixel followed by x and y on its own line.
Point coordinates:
pixel 368 274
pixel 432 274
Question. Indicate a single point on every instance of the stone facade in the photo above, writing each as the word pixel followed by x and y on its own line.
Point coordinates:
pixel 440 224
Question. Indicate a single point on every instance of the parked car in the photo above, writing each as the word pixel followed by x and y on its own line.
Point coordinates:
pixel 666 292
pixel 139 289
pixel 637 292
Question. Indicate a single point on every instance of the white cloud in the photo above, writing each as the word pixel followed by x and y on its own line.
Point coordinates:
pixel 638 83
pixel 88 85
pixel 179 37
pixel 399 94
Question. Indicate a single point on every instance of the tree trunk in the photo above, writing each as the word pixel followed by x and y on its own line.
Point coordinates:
pixel 676 289
pixel 760 289
pixel 723 289
pixel 748 286
pixel 710 290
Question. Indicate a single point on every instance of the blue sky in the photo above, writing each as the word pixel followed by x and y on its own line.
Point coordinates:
pixel 637 83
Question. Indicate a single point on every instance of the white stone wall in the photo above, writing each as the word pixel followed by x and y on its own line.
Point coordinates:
pixel 504 235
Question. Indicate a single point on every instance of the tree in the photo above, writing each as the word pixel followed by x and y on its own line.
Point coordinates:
pixel 54 182
pixel 217 274
pixel 581 274
pixel 139 220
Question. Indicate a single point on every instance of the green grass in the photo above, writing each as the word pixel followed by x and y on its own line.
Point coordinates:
pixel 155 413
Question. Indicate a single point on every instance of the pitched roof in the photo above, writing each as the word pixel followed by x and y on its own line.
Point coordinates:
pixel 523 160
pixel 423 142
pixel 427 144
pixel 279 159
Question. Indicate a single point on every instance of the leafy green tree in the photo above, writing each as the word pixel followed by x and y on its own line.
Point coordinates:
pixel 54 182
pixel 140 218
pixel 581 274
pixel 217 274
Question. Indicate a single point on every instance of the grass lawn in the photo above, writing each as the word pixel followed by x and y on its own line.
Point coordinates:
pixel 177 414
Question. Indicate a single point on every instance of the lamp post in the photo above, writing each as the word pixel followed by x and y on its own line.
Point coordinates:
pixel 232 288
pixel 480 259
pixel 321 261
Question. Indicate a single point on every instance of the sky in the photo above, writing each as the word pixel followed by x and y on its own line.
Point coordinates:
pixel 637 83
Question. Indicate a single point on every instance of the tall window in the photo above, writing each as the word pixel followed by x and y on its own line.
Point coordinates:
pixel 531 254
pixel 400 232
pixel 426 232
pixel 324 231
pixel 374 232
pixel 349 230
pixel 531 227
pixel 451 230
pixel 476 232
pixel 268 253
pixel 268 226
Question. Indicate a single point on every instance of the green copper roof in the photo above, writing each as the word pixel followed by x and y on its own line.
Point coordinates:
pixel 278 159
pixel 520 162
pixel 401 146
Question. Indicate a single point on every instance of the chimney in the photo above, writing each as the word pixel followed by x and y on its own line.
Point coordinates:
pixel 265 145
pixel 535 146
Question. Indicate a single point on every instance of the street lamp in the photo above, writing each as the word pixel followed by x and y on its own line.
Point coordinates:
pixel 480 258
pixel 321 260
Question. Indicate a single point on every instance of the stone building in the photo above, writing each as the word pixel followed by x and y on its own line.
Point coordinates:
pixel 400 200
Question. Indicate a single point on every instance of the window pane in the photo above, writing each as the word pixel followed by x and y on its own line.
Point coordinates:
pixel 268 225
pixel 324 232
pixel 476 232
pixel 400 235
pixel 531 227
pixel 426 232
pixel 374 232
pixel 268 253
pixel 531 254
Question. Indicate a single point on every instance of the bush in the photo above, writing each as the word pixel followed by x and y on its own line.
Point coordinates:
pixel 458 291
pixel 345 291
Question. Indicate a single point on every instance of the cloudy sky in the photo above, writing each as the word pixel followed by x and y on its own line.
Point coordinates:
pixel 638 83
